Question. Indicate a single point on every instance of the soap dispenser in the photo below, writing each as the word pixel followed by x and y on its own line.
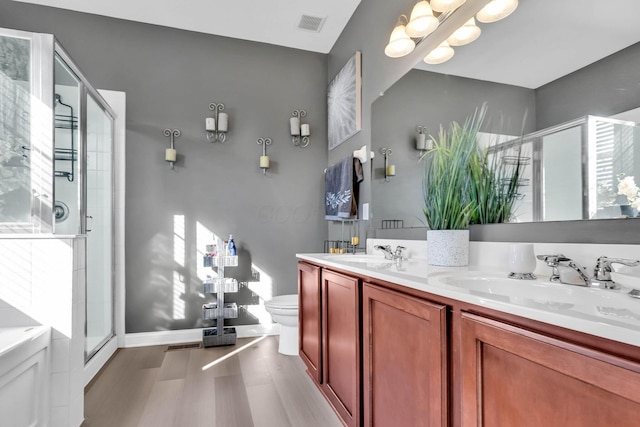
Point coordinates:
pixel 232 246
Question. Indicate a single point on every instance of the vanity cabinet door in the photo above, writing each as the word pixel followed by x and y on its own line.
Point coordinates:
pixel 514 377
pixel 405 359
pixel 310 319
pixel 341 345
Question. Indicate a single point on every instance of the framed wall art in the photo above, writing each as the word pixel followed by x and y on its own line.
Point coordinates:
pixel 344 102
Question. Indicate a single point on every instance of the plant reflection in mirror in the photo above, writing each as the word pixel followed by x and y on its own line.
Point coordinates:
pixel 464 183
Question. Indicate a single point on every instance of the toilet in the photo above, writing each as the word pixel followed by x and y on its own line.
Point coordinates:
pixel 284 311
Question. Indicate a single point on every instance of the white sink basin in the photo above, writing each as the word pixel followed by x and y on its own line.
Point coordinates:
pixel 498 284
pixel 541 294
pixel 359 259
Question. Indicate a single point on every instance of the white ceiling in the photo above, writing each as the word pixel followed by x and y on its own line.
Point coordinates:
pixel 544 40
pixel 540 42
pixel 268 21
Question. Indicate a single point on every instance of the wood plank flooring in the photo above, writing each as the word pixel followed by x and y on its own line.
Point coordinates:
pixel 256 387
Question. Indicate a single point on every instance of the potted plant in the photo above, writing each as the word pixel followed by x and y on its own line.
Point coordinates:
pixel 465 184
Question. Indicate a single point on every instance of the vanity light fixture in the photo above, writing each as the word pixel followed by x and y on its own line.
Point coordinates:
pixel 426 16
pixel 465 34
pixel 299 131
pixel 170 154
pixel 441 54
pixel 446 5
pixel 422 22
pixel 400 44
pixel 496 10
pixel 218 125
pixel 389 170
pixel 264 159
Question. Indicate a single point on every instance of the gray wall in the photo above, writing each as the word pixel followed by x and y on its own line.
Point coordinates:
pixel 170 77
pixel 604 88
pixel 431 99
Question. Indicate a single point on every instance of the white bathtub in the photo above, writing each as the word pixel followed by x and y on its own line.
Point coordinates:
pixel 24 376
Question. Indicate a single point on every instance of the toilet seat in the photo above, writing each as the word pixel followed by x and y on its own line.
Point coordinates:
pixel 283 302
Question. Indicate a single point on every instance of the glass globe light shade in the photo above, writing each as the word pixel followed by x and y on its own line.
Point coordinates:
pixel 496 10
pixel 399 43
pixel 446 5
pixel 465 34
pixel 422 21
pixel 441 54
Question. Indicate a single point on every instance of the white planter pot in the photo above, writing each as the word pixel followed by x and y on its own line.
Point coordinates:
pixel 448 248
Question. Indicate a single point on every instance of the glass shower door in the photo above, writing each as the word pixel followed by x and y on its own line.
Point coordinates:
pixel 99 228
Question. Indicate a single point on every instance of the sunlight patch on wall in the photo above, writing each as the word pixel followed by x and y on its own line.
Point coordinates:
pixel 179 255
pixel 178 240
pixel 204 237
pixel 262 285
pixel 178 296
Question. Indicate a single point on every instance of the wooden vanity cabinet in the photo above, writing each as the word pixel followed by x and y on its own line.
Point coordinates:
pixel 341 345
pixel 310 319
pixel 514 377
pixel 404 359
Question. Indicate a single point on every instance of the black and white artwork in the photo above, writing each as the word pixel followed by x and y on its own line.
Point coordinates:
pixel 344 103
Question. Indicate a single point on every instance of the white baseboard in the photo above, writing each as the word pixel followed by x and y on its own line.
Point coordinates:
pixel 191 335
pixel 96 363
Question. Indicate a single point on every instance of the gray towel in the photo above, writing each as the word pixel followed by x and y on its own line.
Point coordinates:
pixel 340 191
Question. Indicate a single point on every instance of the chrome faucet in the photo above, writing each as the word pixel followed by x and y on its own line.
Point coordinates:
pixel 603 269
pixel 559 262
pixel 601 272
pixel 397 255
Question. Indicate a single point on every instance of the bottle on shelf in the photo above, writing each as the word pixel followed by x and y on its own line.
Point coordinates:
pixel 231 248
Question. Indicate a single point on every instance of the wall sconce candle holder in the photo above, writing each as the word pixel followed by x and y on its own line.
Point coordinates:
pixel 299 131
pixel 218 125
pixel 170 154
pixel 264 159
pixel 389 170
pixel 422 143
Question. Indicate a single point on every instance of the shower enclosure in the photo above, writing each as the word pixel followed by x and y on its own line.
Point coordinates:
pixel 582 169
pixel 56 162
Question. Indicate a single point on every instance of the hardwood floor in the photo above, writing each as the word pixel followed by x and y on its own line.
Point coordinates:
pixel 256 386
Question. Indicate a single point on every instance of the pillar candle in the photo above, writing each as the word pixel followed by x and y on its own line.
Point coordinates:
pixel 210 124
pixel 295 125
pixel 170 155
pixel 391 170
pixel 421 142
pixel 264 162
pixel 304 129
pixel 223 122
pixel 355 240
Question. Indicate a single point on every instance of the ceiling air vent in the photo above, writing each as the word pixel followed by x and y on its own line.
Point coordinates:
pixel 311 23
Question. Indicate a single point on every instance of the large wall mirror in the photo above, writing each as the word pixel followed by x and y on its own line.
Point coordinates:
pixel 542 71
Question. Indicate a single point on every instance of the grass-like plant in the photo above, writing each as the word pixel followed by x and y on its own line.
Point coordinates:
pixel 464 184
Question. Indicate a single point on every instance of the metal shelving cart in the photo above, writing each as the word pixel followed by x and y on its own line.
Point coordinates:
pixel 219 311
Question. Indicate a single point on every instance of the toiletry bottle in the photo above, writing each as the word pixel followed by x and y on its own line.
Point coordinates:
pixel 232 246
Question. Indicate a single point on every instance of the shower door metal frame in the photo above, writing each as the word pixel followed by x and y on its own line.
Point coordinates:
pixel 87 90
